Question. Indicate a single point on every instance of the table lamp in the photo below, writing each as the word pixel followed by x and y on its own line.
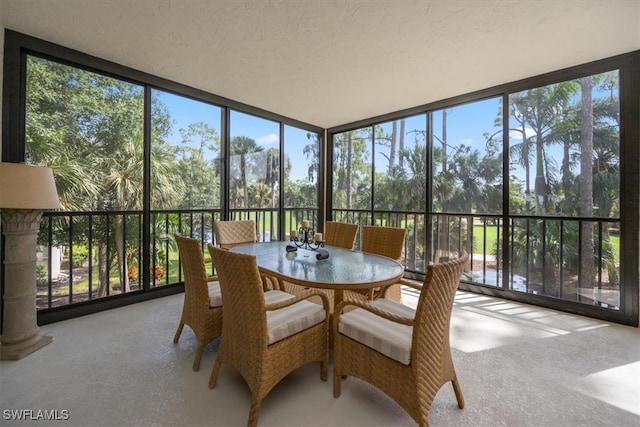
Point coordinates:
pixel 25 191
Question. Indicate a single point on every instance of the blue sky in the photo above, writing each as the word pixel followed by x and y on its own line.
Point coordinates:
pixel 185 111
pixel 466 124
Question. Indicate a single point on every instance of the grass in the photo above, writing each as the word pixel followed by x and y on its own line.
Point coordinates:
pixel 491 232
pixel 481 232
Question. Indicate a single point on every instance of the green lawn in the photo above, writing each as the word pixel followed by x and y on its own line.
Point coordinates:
pixel 492 236
pixel 479 236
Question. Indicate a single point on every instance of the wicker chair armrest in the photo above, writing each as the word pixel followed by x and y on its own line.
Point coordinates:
pixel 212 278
pixel 409 283
pixel 375 310
pixel 297 299
pixel 404 282
pixel 270 280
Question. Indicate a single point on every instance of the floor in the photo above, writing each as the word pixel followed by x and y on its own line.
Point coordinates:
pixel 518 365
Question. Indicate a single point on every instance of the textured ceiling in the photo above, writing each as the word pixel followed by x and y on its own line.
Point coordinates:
pixel 331 62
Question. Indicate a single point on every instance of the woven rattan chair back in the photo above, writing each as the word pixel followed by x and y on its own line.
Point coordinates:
pixel 244 344
pixel 430 349
pixel 205 321
pixel 340 234
pixel 231 233
pixel 412 386
pixel 385 241
pixel 243 297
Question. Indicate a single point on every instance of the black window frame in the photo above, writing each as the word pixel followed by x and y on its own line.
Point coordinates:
pixel 18 46
pixel 628 66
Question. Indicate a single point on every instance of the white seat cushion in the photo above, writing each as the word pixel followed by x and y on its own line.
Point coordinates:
pixel 389 338
pixel 270 297
pixel 273 297
pixel 290 320
pixel 215 296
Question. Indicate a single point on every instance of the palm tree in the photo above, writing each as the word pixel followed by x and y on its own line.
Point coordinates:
pixel 242 146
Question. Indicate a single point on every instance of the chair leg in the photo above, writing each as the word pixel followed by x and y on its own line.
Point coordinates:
pixel 337 382
pixel 214 374
pixel 253 412
pixel 178 332
pixel 196 362
pixel 324 369
pixel 458 391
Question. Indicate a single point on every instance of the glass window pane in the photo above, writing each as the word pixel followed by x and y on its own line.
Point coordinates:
pixel 301 169
pixel 564 159
pixel 352 171
pixel 467 158
pixel 185 153
pixel 400 182
pixel 400 165
pixel 89 129
pixel 254 172
pixel 467 187
pixel 564 162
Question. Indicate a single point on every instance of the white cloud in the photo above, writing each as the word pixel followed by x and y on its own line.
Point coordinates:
pixel 466 141
pixel 272 138
pixel 515 135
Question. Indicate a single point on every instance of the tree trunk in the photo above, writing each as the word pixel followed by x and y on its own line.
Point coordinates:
pixel 349 163
pixel 587 268
pixel 120 251
pixel 401 143
pixel 243 173
pixel 540 184
pixel 394 142
pixel 444 230
pixel 103 274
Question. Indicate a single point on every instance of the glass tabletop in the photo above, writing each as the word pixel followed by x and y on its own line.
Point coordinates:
pixel 344 269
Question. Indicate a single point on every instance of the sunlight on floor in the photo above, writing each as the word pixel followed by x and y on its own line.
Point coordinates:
pixel 616 386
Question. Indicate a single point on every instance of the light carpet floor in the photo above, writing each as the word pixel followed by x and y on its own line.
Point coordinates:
pixel 518 365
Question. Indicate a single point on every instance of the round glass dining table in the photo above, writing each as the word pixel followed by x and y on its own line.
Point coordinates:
pixel 344 269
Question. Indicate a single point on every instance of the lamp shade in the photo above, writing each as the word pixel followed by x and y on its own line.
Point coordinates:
pixel 25 186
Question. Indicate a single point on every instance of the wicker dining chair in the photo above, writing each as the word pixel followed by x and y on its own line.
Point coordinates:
pixel 265 341
pixel 340 234
pixel 202 308
pixel 385 241
pixel 231 233
pixel 404 353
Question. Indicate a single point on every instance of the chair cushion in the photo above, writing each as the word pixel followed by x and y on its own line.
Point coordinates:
pixel 270 297
pixel 275 296
pixel 215 296
pixel 290 320
pixel 389 338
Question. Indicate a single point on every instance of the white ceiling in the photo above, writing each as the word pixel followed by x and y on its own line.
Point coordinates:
pixel 331 62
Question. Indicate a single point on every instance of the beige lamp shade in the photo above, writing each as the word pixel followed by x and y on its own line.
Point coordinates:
pixel 25 186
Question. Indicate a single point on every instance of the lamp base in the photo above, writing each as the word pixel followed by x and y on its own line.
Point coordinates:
pixel 20 332
pixel 19 350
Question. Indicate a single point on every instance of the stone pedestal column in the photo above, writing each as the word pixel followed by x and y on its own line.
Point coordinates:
pixel 20 332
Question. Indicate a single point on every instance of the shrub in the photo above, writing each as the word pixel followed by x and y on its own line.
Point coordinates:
pixel 80 255
pixel 159 271
pixel 133 273
pixel 41 274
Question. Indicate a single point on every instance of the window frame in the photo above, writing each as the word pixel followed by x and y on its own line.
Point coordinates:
pixel 628 66
pixel 18 46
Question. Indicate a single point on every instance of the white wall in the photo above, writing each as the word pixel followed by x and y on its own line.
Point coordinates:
pixel 1 83
pixel 1 65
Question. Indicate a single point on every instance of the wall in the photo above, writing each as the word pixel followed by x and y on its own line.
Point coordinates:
pixel 1 84
pixel 1 66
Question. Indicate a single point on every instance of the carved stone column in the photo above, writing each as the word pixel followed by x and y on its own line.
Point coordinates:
pixel 20 333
